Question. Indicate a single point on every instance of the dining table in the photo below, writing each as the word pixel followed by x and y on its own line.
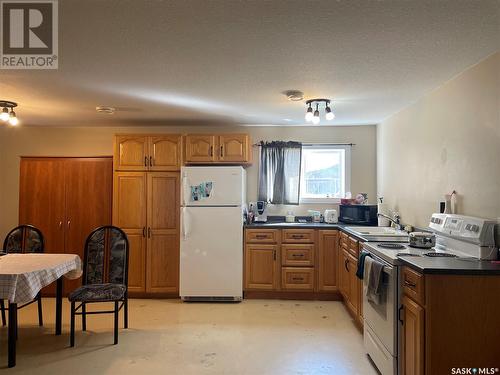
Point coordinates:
pixel 22 276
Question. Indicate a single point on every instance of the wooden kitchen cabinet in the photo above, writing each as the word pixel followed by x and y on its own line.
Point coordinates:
pixel 328 247
pixel 66 198
pixel 146 207
pixel 354 296
pixel 297 278
pixel 162 254
pixel 200 148
pixel 129 214
pixel 343 269
pixel 261 267
pixel 147 152
pixel 234 148
pixel 412 338
pixel 230 148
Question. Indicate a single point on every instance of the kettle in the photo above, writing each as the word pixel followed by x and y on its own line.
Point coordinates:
pixel 331 216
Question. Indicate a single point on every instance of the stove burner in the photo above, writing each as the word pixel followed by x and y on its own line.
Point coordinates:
pixel 407 255
pixel 390 245
pixel 444 255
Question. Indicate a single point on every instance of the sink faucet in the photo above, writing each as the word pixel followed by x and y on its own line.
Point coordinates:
pixel 396 220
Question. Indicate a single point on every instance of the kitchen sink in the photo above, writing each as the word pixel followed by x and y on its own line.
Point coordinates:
pixel 379 233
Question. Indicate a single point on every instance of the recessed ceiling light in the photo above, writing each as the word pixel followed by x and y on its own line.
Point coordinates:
pixel 294 95
pixel 105 109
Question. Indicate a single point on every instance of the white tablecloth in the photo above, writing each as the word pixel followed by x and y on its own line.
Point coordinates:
pixel 22 276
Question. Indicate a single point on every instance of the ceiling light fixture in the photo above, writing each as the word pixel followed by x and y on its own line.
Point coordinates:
pixel 294 95
pixel 8 114
pixel 314 117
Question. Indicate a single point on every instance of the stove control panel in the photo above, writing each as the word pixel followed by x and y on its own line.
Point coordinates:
pixel 468 228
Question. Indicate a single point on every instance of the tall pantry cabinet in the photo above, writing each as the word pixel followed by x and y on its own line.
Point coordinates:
pixel 146 205
pixel 66 198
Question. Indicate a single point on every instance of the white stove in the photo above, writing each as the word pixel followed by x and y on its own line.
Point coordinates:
pixel 458 237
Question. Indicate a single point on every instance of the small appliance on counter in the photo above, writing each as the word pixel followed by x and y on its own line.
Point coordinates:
pixel 331 216
pixel 260 212
pixel 359 214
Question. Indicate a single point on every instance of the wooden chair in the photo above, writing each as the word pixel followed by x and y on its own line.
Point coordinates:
pixel 20 240
pixel 105 277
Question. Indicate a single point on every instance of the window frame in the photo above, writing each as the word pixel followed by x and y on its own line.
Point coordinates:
pixel 347 170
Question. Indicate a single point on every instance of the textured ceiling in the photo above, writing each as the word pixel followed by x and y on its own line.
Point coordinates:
pixel 166 62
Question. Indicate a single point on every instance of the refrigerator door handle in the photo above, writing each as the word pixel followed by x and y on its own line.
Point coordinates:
pixel 184 224
pixel 184 189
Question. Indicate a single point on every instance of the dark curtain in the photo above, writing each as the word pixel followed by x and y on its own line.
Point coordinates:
pixel 279 172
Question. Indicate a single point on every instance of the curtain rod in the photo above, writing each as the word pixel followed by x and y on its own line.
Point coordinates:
pixel 318 144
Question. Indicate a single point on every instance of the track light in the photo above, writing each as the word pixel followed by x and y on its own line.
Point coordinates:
pixel 314 116
pixel 6 115
pixel 329 114
pixel 13 120
pixel 309 114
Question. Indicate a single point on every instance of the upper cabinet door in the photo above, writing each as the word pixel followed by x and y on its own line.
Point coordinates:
pixel 131 153
pixel 165 153
pixel 200 148
pixel 234 148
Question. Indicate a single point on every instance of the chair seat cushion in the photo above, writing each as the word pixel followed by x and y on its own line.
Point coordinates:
pixel 98 293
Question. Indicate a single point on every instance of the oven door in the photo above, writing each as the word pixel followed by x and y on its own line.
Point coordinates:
pixel 382 318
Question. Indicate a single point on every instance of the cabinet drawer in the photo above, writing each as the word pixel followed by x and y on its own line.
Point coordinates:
pixel 298 235
pixel 297 278
pixel 344 240
pixel 297 255
pixel 413 285
pixel 262 235
pixel 353 247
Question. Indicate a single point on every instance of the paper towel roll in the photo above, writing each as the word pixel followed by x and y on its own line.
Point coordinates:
pixel 383 208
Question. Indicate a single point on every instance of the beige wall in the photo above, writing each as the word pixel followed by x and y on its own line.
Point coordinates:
pixel 448 140
pixel 34 141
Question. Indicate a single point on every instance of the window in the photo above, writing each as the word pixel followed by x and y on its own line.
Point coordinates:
pixel 325 174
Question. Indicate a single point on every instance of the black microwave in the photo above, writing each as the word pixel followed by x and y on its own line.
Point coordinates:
pixel 359 214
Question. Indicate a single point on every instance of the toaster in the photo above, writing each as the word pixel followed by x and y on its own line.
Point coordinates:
pixel 331 216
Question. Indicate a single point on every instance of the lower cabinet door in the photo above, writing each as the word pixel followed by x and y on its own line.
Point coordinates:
pixel 261 269
pixel 297 278
pixel 354 292
pixel 162 274
pixel 413 338
pixel 344 274
pixel 136 262
pixel 327 260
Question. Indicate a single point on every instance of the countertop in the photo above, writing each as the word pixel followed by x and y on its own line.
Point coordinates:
pixel 452 266
pixel 281 224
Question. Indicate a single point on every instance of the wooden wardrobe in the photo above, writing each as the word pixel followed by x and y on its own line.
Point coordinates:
pixel 66 198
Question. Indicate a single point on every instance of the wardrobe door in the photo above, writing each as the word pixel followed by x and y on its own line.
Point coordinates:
pixel 162 275
pixel 88 197
pixel 41 199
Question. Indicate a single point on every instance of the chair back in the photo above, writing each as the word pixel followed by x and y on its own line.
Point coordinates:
pixel 24 239
pixel 106 256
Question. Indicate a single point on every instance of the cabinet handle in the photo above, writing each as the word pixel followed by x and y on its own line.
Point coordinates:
pixel 145 161
pixel 274 254
pixel 346 265
pixel 297 236
pixel 69 224
pixel 143 231
pixel 60 225
pixel 297 278
pixel 298 255
pixel 151 161
pixel 260 236
pixel 149 232
pixel 400 310
pixel 410 284
pixel 211 150
pixel 221 151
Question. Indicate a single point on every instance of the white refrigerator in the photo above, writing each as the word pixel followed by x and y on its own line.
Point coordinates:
pixel 211 261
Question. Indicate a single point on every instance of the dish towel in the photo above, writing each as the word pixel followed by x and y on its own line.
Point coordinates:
pixel 361 264
pixel 373 275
